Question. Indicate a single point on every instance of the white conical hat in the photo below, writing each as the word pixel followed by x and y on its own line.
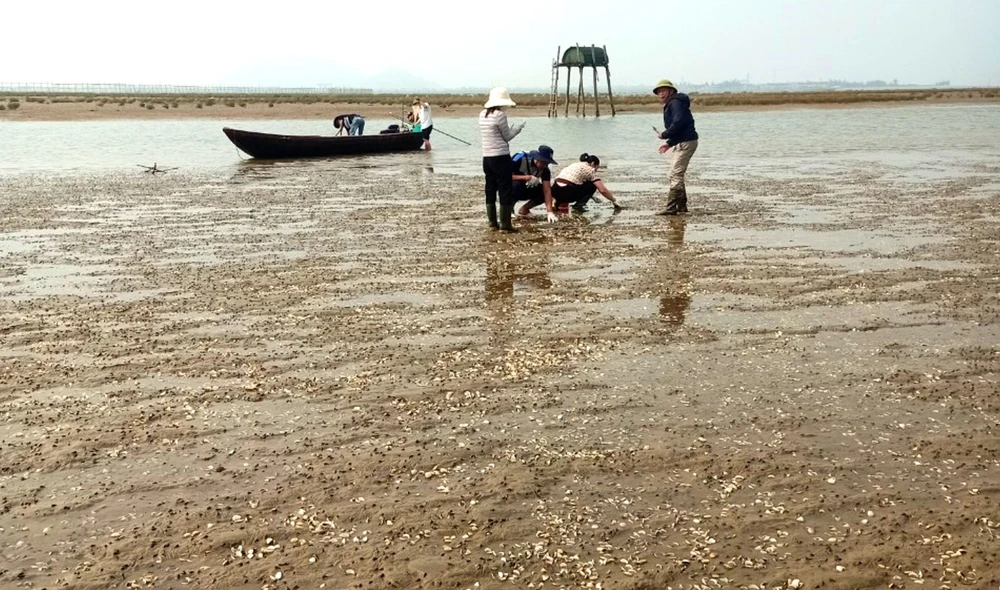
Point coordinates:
pixel 499 97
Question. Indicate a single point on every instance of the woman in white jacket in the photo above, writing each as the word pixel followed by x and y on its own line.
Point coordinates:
pixel 496 134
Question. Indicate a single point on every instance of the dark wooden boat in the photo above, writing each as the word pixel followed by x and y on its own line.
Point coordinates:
pixel 271 146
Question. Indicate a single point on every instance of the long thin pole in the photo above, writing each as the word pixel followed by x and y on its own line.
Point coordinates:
pixel 437 130
pixel 593 69
pixel 607 75
pixel 554 107
pixel 579 90
pixel 611 99
pixel 451 136
pixel 597 97
pixel 569 76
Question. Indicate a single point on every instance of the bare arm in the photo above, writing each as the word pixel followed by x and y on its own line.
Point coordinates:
pixel 605 192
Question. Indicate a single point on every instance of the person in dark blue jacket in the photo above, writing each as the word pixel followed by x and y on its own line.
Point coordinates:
pixel 680 135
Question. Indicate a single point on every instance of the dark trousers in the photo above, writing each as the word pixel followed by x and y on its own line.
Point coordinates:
pixel 571 193
pixel 498 180
pixel 574 193
pixel 523 193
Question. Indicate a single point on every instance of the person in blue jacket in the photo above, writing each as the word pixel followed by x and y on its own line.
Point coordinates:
pixel 680 135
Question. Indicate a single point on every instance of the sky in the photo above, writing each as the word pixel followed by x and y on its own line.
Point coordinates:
pixel 468 43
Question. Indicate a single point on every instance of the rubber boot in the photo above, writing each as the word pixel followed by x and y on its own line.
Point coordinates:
pixel 581 205
pixel 683 204
pixel 491 215
pixel 673 203
pixel 505 212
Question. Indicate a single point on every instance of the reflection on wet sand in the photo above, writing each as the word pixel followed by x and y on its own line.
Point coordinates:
pixel 507 266
pixel 605 219
pixel 248 170
pixel 674 303
pixel 360 168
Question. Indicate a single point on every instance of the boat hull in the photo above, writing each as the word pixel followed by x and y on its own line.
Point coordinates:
pixel 272 146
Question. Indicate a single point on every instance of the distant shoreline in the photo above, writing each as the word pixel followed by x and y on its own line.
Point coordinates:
pixel 59 107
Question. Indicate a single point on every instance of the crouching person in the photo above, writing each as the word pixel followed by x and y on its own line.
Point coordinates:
pixel 532 180
pixel 576 184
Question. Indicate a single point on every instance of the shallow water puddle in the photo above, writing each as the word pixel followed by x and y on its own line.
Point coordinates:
pixel 730 314
pixel 29 240
pixel 813 318
pixel 138 294
pixel 15 246
pixel 830 241
pixel 872 263
pixel 437 340
pixel 188 257
pixel 672 306
pixel 379 299
pixel 807 214
pixel 41 280
pixel 635 187
pixel 508 285
pixel 618 269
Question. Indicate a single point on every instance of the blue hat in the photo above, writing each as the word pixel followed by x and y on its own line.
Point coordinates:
pixel 543 154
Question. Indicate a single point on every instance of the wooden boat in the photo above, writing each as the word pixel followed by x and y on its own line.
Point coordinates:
pixel 272 146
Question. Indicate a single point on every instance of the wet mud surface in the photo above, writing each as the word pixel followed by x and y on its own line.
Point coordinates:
pixel 292 377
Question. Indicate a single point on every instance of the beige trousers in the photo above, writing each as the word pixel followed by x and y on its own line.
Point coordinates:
pixel 682 155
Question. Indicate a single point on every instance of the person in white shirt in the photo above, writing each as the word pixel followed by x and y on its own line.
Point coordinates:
pixel 425 116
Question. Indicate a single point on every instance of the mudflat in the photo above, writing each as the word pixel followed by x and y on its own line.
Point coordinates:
pixel 240 107
pixel 293 376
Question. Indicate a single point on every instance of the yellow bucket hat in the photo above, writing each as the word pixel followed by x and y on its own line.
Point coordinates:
pixel 664 83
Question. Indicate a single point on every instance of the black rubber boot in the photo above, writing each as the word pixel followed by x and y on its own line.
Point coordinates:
pixel 505 212
pixel 491 215
pixel 673 203
pixel 683 205
pixel 580 206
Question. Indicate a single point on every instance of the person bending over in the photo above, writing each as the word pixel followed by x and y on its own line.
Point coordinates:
pixel 576 184
pixel 353 124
